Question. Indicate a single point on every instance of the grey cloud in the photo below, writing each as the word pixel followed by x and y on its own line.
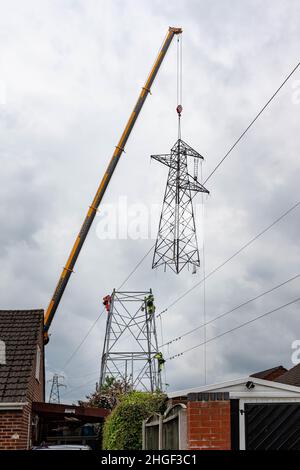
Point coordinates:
pixel 73 71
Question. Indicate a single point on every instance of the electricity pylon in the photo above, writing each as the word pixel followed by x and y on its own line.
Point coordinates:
pixel 130 344
pixel 56 384
pixel 176 244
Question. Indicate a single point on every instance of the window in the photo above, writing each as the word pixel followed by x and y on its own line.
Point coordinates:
pixel 38 363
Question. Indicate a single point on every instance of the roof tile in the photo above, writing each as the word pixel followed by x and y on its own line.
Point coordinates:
pixel 19 329
pixel 291 377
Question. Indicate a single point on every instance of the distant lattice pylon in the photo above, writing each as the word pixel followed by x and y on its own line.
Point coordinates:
pixel 176 245
pixel 56 384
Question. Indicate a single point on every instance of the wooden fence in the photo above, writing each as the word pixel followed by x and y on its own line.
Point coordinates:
pixel 166 432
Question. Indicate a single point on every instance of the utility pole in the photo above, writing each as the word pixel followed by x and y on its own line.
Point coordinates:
pixel 56 384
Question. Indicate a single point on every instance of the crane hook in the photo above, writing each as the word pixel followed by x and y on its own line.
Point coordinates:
pixel 179 110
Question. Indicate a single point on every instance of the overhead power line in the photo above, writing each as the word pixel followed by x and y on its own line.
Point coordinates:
pixel 235 328
pixel 210 175
pixel 243 247
pixel 225 156
pixel 83 340
pixel 246 245
pixel 97 319
pixel 232 310
pixel 252 122
pixel 77 387
pixel 136 267
pixel 83 375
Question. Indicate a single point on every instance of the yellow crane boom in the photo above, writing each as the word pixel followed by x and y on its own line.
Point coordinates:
pixel 68 269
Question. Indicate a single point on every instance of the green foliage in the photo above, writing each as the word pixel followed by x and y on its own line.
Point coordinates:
pixel 108 396
pixel 123 428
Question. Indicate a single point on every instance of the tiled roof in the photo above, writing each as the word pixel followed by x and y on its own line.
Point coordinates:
pixel 291 377
pixel 19 329
pixel 270 374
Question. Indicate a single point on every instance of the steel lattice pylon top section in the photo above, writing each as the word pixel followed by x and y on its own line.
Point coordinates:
pixel 176 245
pixel 130 348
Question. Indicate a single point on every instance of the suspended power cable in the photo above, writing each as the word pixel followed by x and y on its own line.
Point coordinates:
pixel 235 328
pixel 73 389
pixel 137 266
pixel 84 375
pixel 252 122
pixel 179 98
pixel 83 340
pixel 203 325
pixel 215 169
pixel 243 247
pixel 97 319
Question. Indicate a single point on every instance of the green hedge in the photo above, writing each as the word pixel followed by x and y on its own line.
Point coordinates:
pixel 123 427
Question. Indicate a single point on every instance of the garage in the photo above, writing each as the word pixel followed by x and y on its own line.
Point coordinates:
pixel 272 426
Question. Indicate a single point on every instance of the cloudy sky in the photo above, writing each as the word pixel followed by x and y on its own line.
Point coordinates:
pixel 70 72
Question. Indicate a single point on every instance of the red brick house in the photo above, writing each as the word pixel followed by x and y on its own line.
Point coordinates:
pixel 22 375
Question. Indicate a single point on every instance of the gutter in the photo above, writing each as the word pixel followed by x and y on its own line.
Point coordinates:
pixel 8 406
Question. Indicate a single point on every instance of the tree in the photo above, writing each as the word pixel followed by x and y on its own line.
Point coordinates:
pixel 108 396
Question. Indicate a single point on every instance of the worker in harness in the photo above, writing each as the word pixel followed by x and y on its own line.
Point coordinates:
pixel 107 302
pixel 160 360
pixel 150 304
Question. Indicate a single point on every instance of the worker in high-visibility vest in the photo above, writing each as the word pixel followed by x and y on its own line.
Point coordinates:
pixel 160 360
pixel 107 302
pixel 150 304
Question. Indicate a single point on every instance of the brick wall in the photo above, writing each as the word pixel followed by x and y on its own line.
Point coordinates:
pixel 12 423
pixel 208 420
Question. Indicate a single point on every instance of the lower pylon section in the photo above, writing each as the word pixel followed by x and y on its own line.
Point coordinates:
pixel 130 352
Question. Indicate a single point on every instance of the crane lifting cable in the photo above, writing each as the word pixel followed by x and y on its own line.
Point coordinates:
pixel 176 244
pixel 179 107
